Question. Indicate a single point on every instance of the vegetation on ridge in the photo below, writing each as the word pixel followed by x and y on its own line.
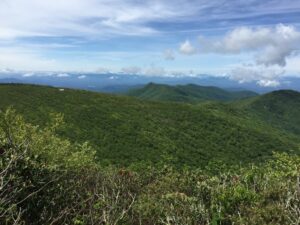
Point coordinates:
pixel 190 93
pixel 40 187
pixel 279 108
pixel 125 131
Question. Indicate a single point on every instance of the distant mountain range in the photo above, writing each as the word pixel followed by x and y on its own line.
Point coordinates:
pixel 115 83
pixel 126 130
pixel 190 93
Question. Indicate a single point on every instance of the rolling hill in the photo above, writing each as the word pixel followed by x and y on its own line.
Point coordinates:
pixel 126 130
pixel 281 109
pixel 187 93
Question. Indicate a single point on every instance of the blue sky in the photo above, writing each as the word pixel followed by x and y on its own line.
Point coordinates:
pixel 247 40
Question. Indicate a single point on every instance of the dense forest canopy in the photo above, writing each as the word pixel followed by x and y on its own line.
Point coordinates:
pixel 46 179
pixel 78 157
pixel 125 131
pixel 190 93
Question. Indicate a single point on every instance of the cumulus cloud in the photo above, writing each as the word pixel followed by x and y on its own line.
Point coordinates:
pixel 268 83
pixel 187 48
pixel 271 48
pixel 272 45
pixel 132 70
pixel 169 55
pixel 238 40
pixel 262 75
pixel 274 55
pixel 293 66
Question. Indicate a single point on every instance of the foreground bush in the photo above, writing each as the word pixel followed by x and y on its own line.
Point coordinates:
pixel 48 180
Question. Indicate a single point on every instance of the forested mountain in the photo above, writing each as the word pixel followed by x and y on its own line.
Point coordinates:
pixel 190 93
pixel 279 108
pixel 146 162
pixel 125 130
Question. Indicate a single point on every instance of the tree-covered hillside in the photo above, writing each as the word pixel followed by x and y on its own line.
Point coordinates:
pixel 127 131
pixel 190 93
pixel 45 179
pixel 279 108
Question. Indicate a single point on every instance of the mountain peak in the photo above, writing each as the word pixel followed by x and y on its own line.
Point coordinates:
pixel 280 108
pixel 286 93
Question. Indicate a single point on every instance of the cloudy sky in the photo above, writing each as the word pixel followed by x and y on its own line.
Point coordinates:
pixel 247 40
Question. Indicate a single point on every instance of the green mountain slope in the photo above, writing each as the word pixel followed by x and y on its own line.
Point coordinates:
pixel 281 109
pixel 190 93
pixel 125 130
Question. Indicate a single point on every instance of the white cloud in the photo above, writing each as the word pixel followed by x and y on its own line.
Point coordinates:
pixel 272 50
pixel 272 45
pixel 82 77
pixel 238 40
pixel 62 75
pixel 186 48
pixel 86 18
pixel 81 21
pixel 293 66
pixel 262 75
pixel 169 55
pixel 28 75
pixel 95 18
pixel 274 56
pixel 154 70
pixel 113 77
pixel 268 83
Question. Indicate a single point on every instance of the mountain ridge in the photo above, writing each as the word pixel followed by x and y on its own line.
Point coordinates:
pixel 125 130
pixel 190 93
pixel 280 108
